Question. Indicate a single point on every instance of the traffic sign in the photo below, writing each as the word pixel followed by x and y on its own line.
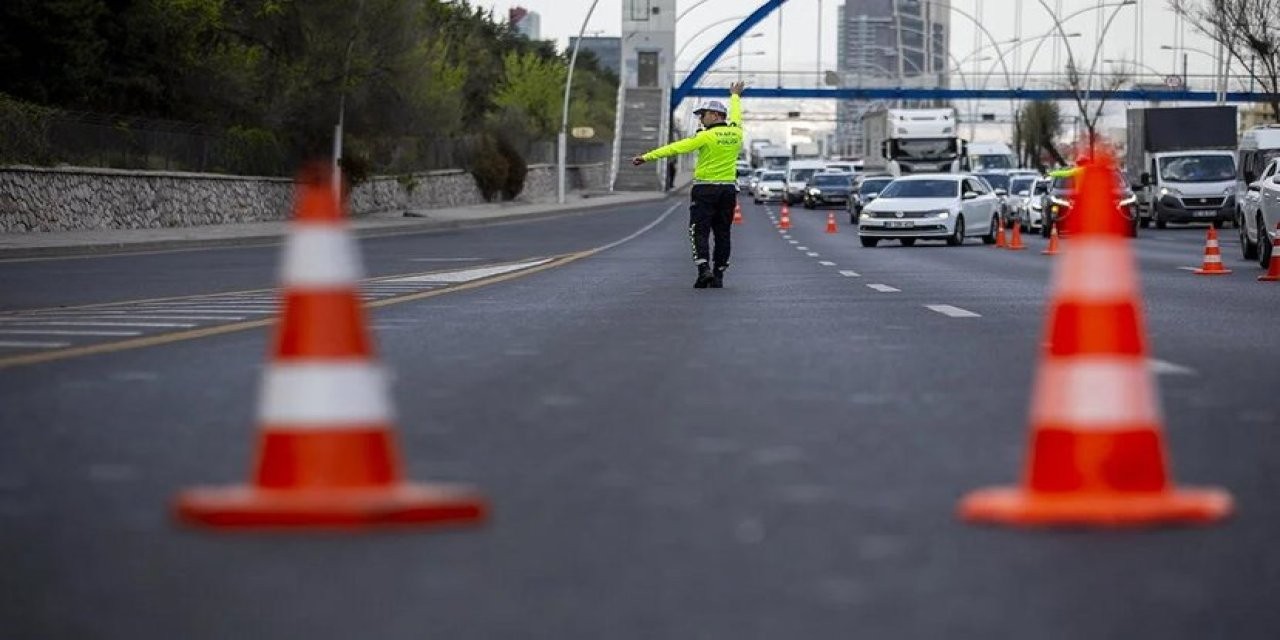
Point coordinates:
pixel 1173 82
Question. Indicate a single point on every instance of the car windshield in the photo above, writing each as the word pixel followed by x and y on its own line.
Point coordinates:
pixel 828 180
pixel 772 176
pixel 1198 168
pixel 996 180
pixel 1042 186
pixel 923 149
pixel 873 185
pixel 802 175
pixel 743 171
pixel 1020 184
pixel 922 189
pixel 994 161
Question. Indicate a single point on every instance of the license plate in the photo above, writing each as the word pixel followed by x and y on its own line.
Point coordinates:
pixel 1206 214
pixel 900 224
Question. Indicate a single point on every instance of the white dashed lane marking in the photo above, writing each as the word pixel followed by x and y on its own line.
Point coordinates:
pixel 1159 367
pixel 952 312
pixel 826 263
pixel 12 344
pixel 850 274
pixel 884 288
pixel 812 254
pixel 802 248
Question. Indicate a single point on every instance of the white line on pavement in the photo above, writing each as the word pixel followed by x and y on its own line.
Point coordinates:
pixel 57 332
pixel 14 344
pixel 1159 367
pixel 64 323
pixel 467 275
pixel 206 310
pixel 794 241
pixel 28 320
pixel 1188 268
pixel 952 312
pixel 812 254
pixel 884 288
pixel 850 274
pixel 802 248
pixel 826 263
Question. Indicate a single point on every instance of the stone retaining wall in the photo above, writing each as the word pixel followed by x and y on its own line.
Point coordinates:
pixel 62 199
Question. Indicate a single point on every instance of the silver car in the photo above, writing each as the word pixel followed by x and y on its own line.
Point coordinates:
pixel 772 187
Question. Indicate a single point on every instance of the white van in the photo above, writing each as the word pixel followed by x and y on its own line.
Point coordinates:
pixel 798 174
pixel 988 156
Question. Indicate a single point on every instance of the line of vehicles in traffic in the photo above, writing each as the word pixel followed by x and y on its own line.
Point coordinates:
pixel 920 181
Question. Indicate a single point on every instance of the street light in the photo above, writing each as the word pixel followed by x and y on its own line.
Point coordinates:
pixel 703 30
pixel 562 141
pixel 1135 63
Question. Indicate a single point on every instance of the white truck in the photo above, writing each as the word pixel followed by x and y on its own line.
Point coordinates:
pixel 991 156
pixel 1183 160
pixel 772 157
pixel 906 141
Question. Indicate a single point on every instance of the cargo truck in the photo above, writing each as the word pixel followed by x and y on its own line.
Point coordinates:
pixel 907 141
pixel 1182 160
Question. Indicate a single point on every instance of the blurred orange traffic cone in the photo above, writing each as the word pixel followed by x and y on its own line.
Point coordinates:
pixel 1273 264
pixel 737 213
pixel 326 453
pixel 1016 243
pixel 831 223
pixel 785 221
pixel 1053 241
pixel 1212 256
pixel 1097 454
pixel 1000 237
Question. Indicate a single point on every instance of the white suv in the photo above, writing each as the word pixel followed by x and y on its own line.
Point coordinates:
pixel 1258 214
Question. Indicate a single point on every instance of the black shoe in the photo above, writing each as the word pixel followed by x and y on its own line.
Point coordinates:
pixel 717 279
pixel 704 278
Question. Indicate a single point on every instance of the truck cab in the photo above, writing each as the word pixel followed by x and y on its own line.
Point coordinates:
pixel 1191 186
pixel 910 141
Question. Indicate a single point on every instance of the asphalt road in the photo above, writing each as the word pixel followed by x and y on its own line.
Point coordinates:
pixel 780 458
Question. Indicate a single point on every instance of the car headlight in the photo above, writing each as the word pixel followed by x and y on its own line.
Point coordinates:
pixel 1229 191
pixel 864 216
pixel 1035 206
pixel 815 192
pixel 1128 202
pixel 1060 202
pixel 1166 191
pixel 939 215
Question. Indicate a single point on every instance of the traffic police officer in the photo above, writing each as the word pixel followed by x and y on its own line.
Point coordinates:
pixel 715 177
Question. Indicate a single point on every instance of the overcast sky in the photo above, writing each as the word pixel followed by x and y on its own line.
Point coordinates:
pixel 801 28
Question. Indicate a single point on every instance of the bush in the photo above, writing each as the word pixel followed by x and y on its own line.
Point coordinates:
pixel 517 169
pixel 250 151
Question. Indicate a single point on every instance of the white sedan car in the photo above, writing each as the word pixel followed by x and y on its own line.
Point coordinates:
pixel 772 187
pixel 950 207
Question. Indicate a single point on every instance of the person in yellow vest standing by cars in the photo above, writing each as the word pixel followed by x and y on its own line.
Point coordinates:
pixel 715 178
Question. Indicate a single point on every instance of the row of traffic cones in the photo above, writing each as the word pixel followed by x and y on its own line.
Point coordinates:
pixel 327 457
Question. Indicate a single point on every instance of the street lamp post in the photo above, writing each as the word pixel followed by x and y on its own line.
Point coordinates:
pixel 563 139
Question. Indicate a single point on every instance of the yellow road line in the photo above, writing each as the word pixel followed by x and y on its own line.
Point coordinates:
pixel 150 341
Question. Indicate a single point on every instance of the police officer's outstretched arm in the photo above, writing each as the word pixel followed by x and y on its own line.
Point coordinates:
pixel 735 102
pixel 692 143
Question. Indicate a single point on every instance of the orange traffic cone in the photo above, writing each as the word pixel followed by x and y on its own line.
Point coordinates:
pixel 737 213
pixel 785 221
pixel 1097 454
pixel 1212 256
pixel 1273 264
pixel 1053 241
pixel 831 223
pixel 1016 243
pixel 326 453
pixel 1000 237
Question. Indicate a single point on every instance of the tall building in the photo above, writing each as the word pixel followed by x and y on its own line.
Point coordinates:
pixel 527 23
pixel 608 50
pixel 887 43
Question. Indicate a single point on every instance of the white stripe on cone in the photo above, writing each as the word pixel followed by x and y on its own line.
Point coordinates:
pixel 324 395
pixel 320 255
pixel 1096 393
pixel 1213 257
pixel 1096 270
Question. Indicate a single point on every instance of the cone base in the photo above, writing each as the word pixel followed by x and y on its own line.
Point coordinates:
pixel 1019 507
pixel 402 505
pixel 1211 272
pixel 1268 278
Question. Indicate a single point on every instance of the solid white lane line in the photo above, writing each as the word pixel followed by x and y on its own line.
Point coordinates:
pixel 802 248
pixel 14 344
pixel 61 323
pixel 58 332
pixel 1159 367
pixel 468 275
pixel 119 317
pixel 952 312
pixel 883 288
pixel 206 310
pixel 812 254
pixel 445 259
pixel 850 274
pixel 826 263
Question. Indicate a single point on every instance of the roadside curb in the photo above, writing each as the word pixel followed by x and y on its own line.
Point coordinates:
pixel 405 225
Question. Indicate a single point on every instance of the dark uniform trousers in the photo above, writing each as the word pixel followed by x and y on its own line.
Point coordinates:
pixel 711 212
